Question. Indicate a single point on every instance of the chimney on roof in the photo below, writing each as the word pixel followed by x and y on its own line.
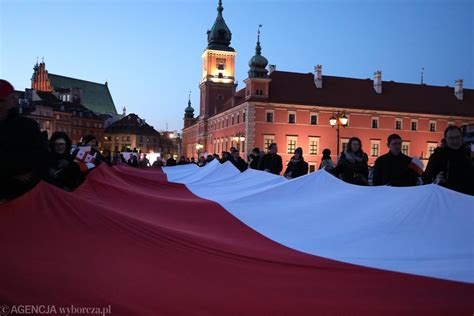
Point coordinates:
pixel 458 87
pixel 378 81
pixel 318 76
pixel 271 68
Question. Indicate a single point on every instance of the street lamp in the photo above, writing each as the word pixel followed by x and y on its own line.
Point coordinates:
pixel 238 138
pixel 338 119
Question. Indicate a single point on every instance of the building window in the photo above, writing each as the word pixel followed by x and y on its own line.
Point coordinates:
pixel 344 143
pixel 268 140
pixel 398 124
pixel 232 120
pixel 124 138
pixel 269 117
pixel 374 148
pixel 432 126
pixel 291 144
pixel 291 117
pixel 314 119
pixel 141 139
pixel 406 148
pixel 259 92
pixel 220 63
pixel 227 122
pixel 414 125
pixel 375 122
pixel 312 167
pixel 313 145
pixel 238 118
pixel 431 148
pixel 243 117
pixel 128 138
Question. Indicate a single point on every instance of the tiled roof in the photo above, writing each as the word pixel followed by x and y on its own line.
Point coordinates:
pixel 132 124
pixel 96 96
pixel 299 88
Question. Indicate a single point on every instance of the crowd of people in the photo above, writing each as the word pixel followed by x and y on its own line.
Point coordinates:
pixel 450 165
pixel 27 156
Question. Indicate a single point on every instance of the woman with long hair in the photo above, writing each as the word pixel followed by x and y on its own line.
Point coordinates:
pixel 352 166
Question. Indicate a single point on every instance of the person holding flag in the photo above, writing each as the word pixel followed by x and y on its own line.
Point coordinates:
pixel 395 168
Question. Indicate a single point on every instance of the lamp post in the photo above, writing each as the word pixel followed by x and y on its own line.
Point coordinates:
pixel 239 138
pixel 338 119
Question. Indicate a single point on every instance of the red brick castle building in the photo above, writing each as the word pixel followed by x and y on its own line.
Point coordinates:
pixel 294 109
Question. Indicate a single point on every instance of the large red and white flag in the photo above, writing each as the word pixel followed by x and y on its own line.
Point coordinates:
pixel 214 241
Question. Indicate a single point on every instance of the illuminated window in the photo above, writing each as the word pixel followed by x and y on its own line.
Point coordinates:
pixel 313 145
pixel 431 148
pixel 291 144
pixel 220 63
pixel 374 148
pixel 268 140
pixel 406 148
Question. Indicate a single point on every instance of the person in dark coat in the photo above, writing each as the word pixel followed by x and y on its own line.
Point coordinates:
pixel 237 161
pixel 352 166
pixel 271 161
pixel 296 167
pixel 225 156
pixel 392 168
pixel 326 162
pixel 254 158
pixel 170 162
pixel 62 170
pixel 451 166
pixel 202 161
pixel 182 161
pixel 23 148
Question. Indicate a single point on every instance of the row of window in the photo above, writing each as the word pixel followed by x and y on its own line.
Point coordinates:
pixel 313 145
pixel 269 118
pixel 413 124
pixel 222 123
pixel 224 145
pixel 141 139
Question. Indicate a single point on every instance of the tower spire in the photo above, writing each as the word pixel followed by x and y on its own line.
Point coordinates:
pixel 189 98
pixel 258 48
pixel 422 73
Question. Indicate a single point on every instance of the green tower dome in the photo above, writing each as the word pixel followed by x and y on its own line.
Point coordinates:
pixel 258 63
pixel 219 36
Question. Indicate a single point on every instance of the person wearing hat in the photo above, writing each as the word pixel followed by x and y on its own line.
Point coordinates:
pixel 296 167
pixel 23 148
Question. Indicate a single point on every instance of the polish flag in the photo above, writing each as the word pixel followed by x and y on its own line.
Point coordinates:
pixel 417 166
pixel 186 240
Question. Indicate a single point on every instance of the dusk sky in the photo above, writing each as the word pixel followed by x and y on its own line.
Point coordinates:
pixel 149 51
